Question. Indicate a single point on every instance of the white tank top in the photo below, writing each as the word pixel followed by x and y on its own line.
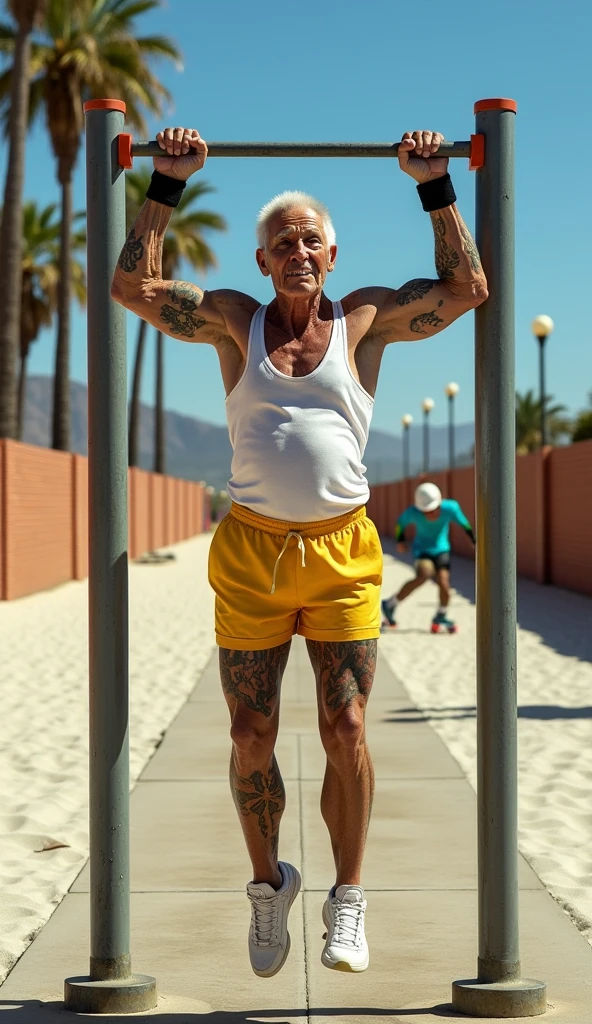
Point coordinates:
pixel 298 442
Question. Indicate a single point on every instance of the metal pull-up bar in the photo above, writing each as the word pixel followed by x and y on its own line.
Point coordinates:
pixel 127 149
pixel 499 989
pixel 304 149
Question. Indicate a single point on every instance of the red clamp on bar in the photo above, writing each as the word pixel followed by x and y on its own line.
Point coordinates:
pixel 124 150
pixel 477 157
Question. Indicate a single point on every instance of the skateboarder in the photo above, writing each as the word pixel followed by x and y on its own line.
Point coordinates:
pixel 431 516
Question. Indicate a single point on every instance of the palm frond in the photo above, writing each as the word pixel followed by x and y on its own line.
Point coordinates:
pixel 199 255
pixel 199 219
pixel 194 191
pixel 160 46
pixel 125 10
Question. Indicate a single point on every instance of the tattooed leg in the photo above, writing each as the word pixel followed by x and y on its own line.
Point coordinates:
pixel 344 674
pixel 251 681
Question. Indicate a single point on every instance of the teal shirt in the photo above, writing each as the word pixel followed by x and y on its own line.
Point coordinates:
pixel 432 536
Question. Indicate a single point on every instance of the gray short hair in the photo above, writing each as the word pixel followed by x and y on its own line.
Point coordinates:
pixel 285 201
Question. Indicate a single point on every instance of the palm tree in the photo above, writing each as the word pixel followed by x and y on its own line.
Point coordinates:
pixel 88 49
pixel 582 428
pixel 25 13
pixel 528 422
pixel 183 241
pixel 40 277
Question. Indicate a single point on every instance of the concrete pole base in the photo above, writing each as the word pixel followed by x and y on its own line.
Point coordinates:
pixel 113 995
pixel 521 998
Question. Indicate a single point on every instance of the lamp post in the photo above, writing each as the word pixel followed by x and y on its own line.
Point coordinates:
pixel 427 406
pixel 406 420
pixel 541 328
pixel 451 390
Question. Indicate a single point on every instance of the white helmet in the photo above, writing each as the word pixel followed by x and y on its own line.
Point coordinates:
pixel 428 497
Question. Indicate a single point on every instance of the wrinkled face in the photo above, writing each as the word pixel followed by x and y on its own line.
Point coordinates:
pixel 297 255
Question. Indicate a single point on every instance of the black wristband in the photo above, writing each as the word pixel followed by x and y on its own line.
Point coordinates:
pixel 437 194
pixel 165 190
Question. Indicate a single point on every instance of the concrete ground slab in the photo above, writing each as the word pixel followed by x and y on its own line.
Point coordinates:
pixel 197 746
pixel 409 978
pixel 189 868
pixel 397 751
pixel 185 837
pixel 195 943
pixel 413 821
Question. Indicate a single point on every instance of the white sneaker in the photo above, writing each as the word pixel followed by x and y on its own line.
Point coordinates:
pixel 269 938
pixel 346 948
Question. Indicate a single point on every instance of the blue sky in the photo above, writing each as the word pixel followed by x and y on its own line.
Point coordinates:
pixel 350 71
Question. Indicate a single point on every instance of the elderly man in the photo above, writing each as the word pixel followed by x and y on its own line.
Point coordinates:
pixel 296 553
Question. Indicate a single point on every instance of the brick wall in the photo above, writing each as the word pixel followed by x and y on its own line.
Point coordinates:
pixel 139 512
pixel 44 516
pixel 38 509
pixel 80 517
pixel 569 506
pixel 553 512
pixel 157 512
pixel 462 489
pixel 530 516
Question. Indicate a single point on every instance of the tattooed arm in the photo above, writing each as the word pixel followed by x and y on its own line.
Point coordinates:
pixel 423 306
pixel 177 308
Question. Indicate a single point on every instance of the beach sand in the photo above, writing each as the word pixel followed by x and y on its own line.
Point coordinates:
pixel 44 750
pixel 554 654
pixel 44 736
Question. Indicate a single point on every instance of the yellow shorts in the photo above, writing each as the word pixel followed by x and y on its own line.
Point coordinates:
pixel 273 579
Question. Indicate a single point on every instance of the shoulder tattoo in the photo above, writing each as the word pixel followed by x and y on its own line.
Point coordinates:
pixel 180 316
pixel 413 290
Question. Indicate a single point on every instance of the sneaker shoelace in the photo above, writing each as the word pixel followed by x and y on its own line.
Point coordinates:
pixel 347 918
pixel 264 920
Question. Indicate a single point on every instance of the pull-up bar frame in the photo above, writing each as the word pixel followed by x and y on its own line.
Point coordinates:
pixel 499 989
pixel 296 149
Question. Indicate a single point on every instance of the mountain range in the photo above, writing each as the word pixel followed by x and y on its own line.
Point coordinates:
pixel 197 450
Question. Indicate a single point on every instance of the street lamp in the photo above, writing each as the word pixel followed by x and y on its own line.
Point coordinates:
pixel 451 390
pixel 541 328
pixel 406 420
pixel 427 406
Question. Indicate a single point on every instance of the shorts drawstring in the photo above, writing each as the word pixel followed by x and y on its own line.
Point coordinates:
pixel 291 533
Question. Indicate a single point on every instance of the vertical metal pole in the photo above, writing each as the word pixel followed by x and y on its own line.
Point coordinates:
pixel 451 452
pixel 426 442
pixel 110 985
pixel 542 386
pixel 498 988
pixel 405 451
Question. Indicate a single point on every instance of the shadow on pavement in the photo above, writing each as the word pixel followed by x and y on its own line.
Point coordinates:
pixel 31 1011
pixel 560 617
pixel 543 712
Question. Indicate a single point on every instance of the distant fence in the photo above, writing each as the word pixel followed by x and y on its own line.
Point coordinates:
pixel 44 516
pixel 553 512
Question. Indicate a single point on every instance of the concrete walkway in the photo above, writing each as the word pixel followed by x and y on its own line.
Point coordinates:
pixel 189 869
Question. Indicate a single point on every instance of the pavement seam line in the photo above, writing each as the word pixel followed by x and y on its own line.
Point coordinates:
pixel 301 817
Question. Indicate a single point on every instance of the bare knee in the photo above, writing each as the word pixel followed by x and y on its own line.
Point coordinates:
pixel 343 736
pixel 253 739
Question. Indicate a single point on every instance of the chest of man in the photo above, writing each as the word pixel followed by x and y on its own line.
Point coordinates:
pixel 297 357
